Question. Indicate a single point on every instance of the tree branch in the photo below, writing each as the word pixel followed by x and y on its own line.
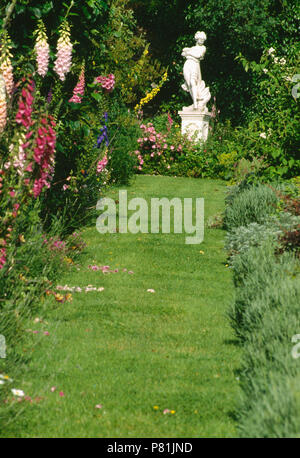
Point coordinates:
pixel 9 13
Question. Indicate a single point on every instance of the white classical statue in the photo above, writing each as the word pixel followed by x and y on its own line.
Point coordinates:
pixel 192 74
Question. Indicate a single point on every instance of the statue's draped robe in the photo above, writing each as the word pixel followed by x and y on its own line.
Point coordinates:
pixel 191 68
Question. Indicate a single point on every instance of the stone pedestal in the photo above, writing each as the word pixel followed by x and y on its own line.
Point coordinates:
pixel 193 121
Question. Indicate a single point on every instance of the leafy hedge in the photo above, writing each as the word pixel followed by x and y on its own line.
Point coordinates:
pixel 265 317
pixel 250 206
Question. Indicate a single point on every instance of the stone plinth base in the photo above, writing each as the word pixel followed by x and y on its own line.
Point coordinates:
pixel 193 121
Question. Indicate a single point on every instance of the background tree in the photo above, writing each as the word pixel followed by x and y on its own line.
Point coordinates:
pixel 232 27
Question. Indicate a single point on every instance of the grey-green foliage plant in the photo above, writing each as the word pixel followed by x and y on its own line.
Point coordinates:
pixel 270 376
pixel 241 238
pixel 275 294
pixel 256 271
pixel 252 205
pixel 270 409
pixel 265 314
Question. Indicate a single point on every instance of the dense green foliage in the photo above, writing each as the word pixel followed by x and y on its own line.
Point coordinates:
pixel 89 94
pixel 252 205
pixel 265 316
pixel 234 27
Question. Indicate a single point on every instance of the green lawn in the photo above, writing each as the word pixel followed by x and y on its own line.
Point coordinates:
pixel 130 350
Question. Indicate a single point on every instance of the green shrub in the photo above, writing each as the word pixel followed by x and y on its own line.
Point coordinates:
pixel 265 315
pixel 123 132
pixel 255 271
pixel 280 296
pixel 241 238
pixel 270 375
pixel 30 267
pixel 162 149
pixel 290 241
pixel 251 205
pixel 271 409
pixel 276 119
pixel 34 261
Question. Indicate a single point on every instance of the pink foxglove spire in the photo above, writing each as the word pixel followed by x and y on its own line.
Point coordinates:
pixel 42 49
pixel 63 61
pixel 6 68
pixel 78 91
pixel 102 164
pixel 3 104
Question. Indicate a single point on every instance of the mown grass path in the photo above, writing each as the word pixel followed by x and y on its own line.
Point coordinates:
pixel 138 353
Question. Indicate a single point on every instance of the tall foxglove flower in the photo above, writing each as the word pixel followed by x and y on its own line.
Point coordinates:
pixel 42 49
pixel 6 68
pixel 3 104
pixel 78 91
pixel 63 61
pixel 25 106
pixel 2 257
pixel 44 153
pixel 102 164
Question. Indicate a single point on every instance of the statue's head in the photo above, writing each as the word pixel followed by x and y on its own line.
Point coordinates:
pixel 200 37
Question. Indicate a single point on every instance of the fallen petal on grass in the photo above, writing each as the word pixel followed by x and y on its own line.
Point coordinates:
pixel 19 393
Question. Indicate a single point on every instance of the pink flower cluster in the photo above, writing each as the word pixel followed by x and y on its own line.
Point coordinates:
pixel 79 89
pixel 140 159
pixel 2 257
pixel 63 61
pixel 102 164
pixel 107 82
pixel 20 158
pixel 54 244
pixel 7 72
pixel 23 115
pixel 32 151
pixel 42 57
pixel 107 269
pixel 42 50
pixel 44 154
pixel 3 104
pixel 154 144
pixel 6 69
pixel 46 333
pixel 170 122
